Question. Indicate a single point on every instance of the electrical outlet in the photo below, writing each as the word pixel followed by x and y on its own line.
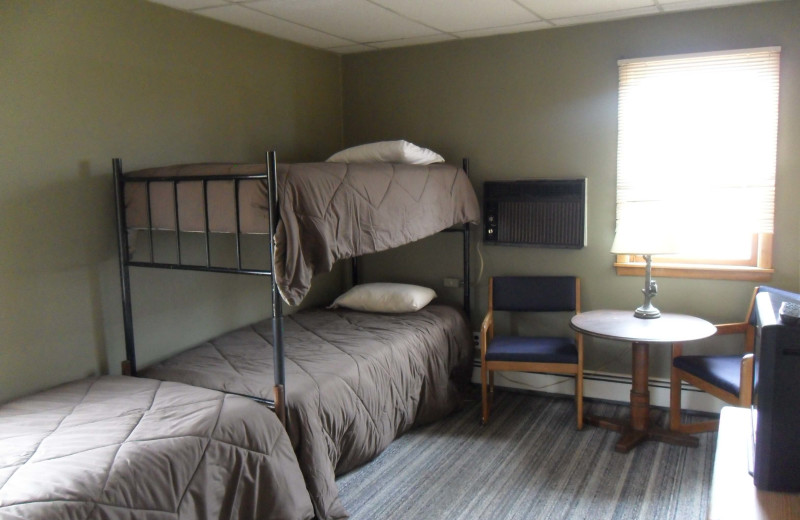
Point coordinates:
pixel 451 282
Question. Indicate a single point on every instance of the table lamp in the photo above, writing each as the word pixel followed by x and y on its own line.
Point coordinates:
pixel 645 241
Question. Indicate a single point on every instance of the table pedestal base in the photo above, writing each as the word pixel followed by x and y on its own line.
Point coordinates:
pixel 622 325
pixel 631 437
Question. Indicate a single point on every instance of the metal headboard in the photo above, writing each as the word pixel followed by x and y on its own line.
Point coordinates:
pixel 126 262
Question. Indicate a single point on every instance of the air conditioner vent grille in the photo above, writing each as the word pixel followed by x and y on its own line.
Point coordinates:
pixel 546 213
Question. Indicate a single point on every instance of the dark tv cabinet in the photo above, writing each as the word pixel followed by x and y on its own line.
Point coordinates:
pixel 733 494
pixel 776 395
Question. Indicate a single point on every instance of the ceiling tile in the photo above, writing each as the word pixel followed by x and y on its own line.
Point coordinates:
pixel 460 16
pixel 358 25
pixel 244 17
pixel 189 5
pixel 357 20
pixel 683 5
pixel 549 9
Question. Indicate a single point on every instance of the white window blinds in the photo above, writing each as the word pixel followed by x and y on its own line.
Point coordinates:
pixel 697 146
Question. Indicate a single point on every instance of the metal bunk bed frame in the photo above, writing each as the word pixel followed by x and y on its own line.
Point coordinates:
pixel 278 403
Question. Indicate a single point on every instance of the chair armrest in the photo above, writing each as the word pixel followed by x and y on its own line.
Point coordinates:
pixel 487 332
pixel 746 380
pixel 732 328
pixel 739 328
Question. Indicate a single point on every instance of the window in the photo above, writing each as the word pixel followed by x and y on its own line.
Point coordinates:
pixel 697 149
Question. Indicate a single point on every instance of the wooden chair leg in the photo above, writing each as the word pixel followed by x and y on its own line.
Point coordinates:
pixel 700 427
pixel 491 388
pixel 579 397
pixel 674 400
pixel 484 396
pixel 675 410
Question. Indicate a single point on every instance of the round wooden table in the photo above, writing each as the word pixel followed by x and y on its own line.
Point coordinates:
pixel 623 326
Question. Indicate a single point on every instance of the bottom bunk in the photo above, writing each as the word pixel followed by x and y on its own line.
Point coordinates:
pixel 123 447
pixel 355 381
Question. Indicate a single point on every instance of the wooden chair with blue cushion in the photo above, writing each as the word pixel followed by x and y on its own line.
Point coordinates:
pixel 558 355
pixel 727 377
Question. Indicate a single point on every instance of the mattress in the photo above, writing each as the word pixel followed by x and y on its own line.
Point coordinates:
pixel 121 447
pixel 354 381
pixel 328 211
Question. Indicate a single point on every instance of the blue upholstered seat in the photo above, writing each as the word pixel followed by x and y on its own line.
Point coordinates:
pixel 532 350
pixel 545 354
pixel 721 371
pixel 730 378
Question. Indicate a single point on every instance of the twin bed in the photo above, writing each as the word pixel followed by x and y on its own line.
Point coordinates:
pixel 343 382
pixel 124 447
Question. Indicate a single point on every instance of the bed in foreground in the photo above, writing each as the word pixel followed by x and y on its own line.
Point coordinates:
pixel 357 380
pixel 123 447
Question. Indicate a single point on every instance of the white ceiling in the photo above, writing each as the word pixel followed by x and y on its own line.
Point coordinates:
pixel 346 26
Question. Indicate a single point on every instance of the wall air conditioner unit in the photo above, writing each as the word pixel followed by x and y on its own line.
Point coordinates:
pixel 540 212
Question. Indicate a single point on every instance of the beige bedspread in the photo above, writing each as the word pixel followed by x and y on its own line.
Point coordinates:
pixel 354 381
pixel 328 211
pixel 118 447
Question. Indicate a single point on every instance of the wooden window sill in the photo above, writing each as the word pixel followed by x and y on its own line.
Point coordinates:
pixel 708 272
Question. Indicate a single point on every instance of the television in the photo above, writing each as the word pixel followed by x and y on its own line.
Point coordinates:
pixel 775 455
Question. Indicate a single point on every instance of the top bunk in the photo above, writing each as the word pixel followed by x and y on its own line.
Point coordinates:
pixel 315 213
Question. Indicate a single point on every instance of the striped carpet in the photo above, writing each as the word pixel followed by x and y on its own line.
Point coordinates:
pixel 529 463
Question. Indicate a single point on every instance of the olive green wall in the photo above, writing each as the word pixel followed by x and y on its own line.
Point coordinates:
pixel 544 104
pixel 87 80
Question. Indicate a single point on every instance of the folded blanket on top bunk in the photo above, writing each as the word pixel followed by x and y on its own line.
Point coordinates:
pixel 121 447
pixel 354 381
pixel 328 211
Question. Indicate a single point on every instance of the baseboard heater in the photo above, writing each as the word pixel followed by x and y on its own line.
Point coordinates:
pixel 538 212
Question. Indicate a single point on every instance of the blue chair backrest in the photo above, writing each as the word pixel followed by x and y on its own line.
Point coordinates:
pixel 534 293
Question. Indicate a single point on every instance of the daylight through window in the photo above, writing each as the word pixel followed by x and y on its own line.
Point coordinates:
pixel 697 150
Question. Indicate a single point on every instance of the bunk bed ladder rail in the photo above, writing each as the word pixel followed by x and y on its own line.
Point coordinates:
pixel 277 305
pixel 464 230
pixel 129 365
pixel 126 262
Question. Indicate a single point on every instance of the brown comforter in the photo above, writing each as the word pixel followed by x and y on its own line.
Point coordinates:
pixel 328 211
pixel 127 448
pixel 354 381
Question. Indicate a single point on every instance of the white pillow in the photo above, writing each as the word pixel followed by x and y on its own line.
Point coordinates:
pixel 385 297
pixel 387 151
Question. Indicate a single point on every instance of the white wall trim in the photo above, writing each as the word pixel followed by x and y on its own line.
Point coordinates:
pixel 603 385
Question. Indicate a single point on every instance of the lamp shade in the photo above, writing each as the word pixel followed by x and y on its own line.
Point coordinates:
pixel 646 239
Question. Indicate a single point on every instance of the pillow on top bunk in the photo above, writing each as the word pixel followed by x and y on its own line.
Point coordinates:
pixel 387 151
pixel 385 297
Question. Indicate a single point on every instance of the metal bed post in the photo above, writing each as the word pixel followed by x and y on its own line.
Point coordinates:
pixel 465 165
pixel 277 306
pixel 464 230
pixel 129 365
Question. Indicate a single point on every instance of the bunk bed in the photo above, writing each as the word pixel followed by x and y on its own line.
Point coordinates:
pixel 124 447
pixel 357 378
